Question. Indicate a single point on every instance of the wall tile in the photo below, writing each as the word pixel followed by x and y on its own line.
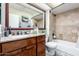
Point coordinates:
pixel 67 25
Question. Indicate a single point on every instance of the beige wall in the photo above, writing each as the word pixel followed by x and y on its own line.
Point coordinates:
pixel 67 25
pixel 51 25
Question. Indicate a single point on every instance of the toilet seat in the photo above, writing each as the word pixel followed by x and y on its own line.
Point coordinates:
pixel 51 44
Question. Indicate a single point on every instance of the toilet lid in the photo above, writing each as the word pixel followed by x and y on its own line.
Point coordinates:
pixel 51 44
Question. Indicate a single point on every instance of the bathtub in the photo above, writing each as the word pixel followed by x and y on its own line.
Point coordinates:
pixel 64 48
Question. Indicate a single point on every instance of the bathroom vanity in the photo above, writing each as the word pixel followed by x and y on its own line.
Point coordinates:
pixel 27 45
pixel 19 23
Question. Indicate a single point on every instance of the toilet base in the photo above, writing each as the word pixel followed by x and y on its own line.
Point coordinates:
pixel 50 52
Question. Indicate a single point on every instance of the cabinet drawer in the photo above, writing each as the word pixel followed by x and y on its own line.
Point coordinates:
pixel 41 49
pixel 10 46
pixel 40 38
pixel 31 41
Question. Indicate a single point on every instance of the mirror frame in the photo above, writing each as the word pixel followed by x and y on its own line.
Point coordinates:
pixel 7 19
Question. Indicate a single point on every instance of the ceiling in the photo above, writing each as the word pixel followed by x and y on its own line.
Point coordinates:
pixel 46 6
pixel 56 8
pixel 65 7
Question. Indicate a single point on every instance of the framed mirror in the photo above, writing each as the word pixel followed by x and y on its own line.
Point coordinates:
pixel 24 16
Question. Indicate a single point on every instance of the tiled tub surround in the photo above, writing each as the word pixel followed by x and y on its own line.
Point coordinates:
pixel 67 25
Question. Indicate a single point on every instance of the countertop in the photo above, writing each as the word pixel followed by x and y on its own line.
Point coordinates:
pixel 18 37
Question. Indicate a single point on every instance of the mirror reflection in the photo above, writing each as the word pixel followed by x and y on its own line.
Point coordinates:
pixel 38 20
pixel 25 16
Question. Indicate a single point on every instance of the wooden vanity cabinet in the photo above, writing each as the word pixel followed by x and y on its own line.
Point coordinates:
pixel 34 46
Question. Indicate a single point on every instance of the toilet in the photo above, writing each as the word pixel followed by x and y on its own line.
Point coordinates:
pixel 51 48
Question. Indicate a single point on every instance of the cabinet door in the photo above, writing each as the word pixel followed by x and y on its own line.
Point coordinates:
pixel 29 51
pixel 41 49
